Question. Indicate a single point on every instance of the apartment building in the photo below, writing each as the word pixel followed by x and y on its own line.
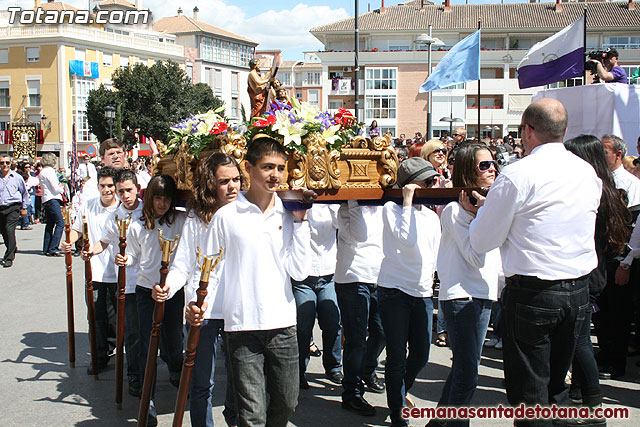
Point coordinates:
pixel 393 65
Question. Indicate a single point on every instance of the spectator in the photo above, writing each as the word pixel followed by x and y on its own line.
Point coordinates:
pixel 14 199
pixel 627 163
pixel 374 130
pixel 435 152
pixel 52 191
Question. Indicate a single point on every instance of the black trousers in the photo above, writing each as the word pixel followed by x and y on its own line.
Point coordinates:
pixel 9 220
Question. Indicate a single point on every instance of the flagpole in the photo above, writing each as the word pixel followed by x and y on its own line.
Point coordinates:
pixel 356 66
pixel 584 47
pixel 478 105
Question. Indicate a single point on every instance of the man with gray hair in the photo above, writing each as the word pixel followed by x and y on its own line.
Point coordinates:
pixel 615 148
pixel 14 199
pixel 544 225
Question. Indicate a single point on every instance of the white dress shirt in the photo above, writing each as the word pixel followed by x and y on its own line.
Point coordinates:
pixel 410 241
pixel 628 182
pixel 143 247
pixel 51 188
pixel 541 213
pixel 323 221
pixel 185 270
pixel 261 251
pixel 111 235
pixel 103 267
pixel 463 272
pixel 87 169
pixel 359 243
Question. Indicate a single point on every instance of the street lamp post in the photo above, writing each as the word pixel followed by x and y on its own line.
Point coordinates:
pixel 110 114
pixel 426 39
pixel 451 120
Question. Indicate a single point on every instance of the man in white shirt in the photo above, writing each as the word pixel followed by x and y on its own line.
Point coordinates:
pixel 613 321
pixel 264 246
pixel 541 213
pixel 87 169
pixel 103 270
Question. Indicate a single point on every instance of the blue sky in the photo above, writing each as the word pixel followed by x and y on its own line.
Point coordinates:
pixel 278 24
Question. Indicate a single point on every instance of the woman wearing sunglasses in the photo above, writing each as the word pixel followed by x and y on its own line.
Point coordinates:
pixel 468 282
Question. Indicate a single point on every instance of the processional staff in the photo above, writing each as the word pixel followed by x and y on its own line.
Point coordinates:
pixel 194 337
pixel 167 247
pixel 91 314
pixel 123 225
pixel 71 334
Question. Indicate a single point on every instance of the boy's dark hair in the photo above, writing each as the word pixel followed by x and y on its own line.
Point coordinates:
pixel 264 146
pixel 159 186
pixel 123 175
pixel 106 172
pixel 108 144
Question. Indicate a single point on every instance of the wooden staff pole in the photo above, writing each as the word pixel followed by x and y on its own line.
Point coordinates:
pixel 167 247
pixel 193 339
pixel 123 225
pixel 91 314
pixel 71 334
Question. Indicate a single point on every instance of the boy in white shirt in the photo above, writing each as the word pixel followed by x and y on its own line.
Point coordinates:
pixel 96 212
pixel 264 246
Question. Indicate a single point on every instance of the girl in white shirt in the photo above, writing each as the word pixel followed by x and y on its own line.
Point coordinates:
pixel 468 281
pixel 219 182
pixel 410 238
pixel 143 249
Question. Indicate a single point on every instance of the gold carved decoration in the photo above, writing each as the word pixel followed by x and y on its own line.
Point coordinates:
pixel 318 168
pixel 184 170
pixel 234 145
pixel 388 167
pixel 24 136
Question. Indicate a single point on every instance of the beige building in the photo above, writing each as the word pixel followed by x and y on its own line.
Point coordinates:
pixel 213 56
pixel 393 66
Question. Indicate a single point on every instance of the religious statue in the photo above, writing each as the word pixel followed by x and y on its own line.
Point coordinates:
pixel 258 88
pixel 279 93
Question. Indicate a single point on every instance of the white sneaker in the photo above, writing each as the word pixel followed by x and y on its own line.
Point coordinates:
pixel 491 343
pixel 498 345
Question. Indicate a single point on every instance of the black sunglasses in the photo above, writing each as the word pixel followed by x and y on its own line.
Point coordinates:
pixel 485 165
pixel 440 150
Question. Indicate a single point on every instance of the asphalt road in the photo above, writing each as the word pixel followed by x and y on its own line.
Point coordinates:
pixel 39 388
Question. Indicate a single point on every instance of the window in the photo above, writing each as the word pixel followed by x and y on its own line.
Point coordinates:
pixel 633 74
pixel 217 79
pixel 107 59
pixel 4 124
pixel 234 82
pixel 217 55
pixel 246 53
pixel 80 54
pixel 4 94
pixel 206 48
pixel 335 104
pixel 491 73
pixel 385 129
pixel 208 76
pixel 380 107
pixel 566 83
pixel 235 109
pixel 33 54
pixel 299 95
pixel 233 53
pixel 124 61
pixel 224 52
pixel 80 88
pixel 189 71
pixel 4 56
pixel 313 79
pixel 486 101
pixel 285 78
pixel 622 42
pixel 381 78
pixel 33 87
pixel 313 97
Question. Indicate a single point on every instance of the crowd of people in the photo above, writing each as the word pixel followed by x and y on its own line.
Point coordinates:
pixel 541 256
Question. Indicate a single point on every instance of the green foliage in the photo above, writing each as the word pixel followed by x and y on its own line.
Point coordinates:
pixel 150 99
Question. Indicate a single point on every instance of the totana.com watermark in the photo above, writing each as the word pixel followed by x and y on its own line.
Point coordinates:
pixel 41 16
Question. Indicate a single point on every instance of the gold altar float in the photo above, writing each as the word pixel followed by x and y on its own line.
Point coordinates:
pixel 361 163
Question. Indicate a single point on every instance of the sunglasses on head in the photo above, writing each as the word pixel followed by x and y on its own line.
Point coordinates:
pixel 485 165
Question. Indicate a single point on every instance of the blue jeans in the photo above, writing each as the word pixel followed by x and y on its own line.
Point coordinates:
pixel 54 228
pixel 584 367
pixel 25 220
pixel 359 310
pixel 171 337
pixel 264 363
pixel 542 320
pixel 318 295
pixel 441 323
pixel 406 320
pixel 202 378
pixel 467 321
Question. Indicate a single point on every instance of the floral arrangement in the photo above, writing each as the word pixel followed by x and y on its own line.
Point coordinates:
pixel 198 131
pixel 291 122
pixel 288 123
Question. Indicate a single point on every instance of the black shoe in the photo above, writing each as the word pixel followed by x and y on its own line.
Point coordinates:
pixel 374 384
pixel 135 388
pixel 152 420
pixel 359 406
pixel 593 422
pixel 304 385
pixel 174 378
pixel 102 364
pixel 335 377
pixel 610 374
pixel 7 263
pixel 316 352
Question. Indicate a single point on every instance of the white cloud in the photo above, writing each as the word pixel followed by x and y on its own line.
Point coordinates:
pixel 284 29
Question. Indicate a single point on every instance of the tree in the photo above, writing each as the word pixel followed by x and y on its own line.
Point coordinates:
pixel 151 100
pixel 98 124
